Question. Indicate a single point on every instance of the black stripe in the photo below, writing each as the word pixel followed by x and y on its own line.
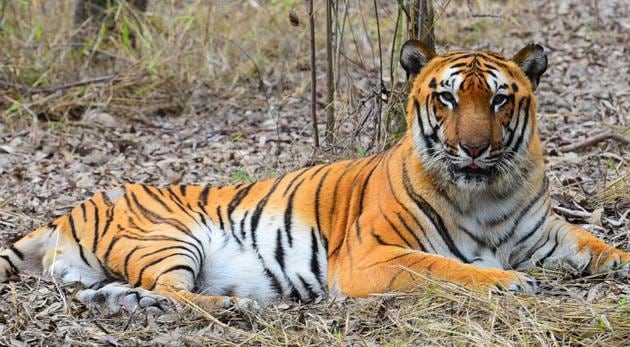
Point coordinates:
pixel 363 188
pixel 260 207
pixel 110 247
pixel 84 213
pixel 173 195
pixel 524 211
pixel 182 190
pixel 76 238
pixel 474 237
pixel 286 190
pixel 391 224
pixel 541 261
pixel 221 223
pixel 318 193
pixel 138 281
pixel 236 200
pixel 347 169
pixel 517 114
pixel 392 258
pixel 127 259
pixel 14 269
pixel 382 242
pixel 427 144
pixel 169 248
pixel 288 214
pixel 109 217
pixel 171 269
pixel 322 167
pixel 533 230
pixel 242 228
pixel 202 202
pixel 432 216
pixel 525 126
pixel 275 283
pixel 407 227
pixel 315 260
pixel 279 250
pixel 308 287
pixel 96 226
pixel 157 219
pixel 16 251
pixel 540 244
pixel 199 252
pixel 156 198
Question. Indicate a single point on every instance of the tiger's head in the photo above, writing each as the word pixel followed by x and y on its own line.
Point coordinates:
pixel 471 114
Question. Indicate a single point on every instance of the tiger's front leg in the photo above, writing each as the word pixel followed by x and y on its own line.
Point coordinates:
pixel 565 246
pixel 384 268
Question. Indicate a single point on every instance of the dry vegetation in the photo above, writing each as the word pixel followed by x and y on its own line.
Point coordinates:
pixel 218 92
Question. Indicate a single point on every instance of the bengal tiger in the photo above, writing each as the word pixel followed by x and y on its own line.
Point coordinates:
pixel 462 197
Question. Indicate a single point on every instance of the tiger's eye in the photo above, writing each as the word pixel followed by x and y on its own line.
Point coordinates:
pixel 498 101
pixel 447 99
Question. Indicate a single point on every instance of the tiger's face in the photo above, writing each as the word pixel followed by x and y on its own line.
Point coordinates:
pixel 472 113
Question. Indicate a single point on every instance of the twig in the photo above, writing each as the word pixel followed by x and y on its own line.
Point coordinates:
pixel 313 75
pixel 30 91
pixel 572 213
pixel 595 139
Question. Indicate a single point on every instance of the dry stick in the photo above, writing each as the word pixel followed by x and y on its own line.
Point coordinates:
pixel 30 91
pixel 313 76
pixel 330 77
pixel 595 139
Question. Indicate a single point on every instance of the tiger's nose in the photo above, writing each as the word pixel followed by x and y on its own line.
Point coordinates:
pixel 474 150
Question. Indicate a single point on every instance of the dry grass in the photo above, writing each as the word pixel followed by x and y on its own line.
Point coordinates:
pixel 217 92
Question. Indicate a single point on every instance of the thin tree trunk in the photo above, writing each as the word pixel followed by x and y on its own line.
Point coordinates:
pixel 330 76
pixel 422 22
pixel 313 76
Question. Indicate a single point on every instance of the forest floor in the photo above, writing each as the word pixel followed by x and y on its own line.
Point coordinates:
pixel 258 127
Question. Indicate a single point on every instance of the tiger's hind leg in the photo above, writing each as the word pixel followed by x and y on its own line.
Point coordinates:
pixel 49 250
pixel 26 254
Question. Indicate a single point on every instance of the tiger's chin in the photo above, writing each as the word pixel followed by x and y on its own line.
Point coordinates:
pixel 473 177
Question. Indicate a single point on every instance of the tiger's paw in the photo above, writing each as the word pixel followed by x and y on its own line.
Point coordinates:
pixel 227 302
pixel 613 261
pixel 119 296
pixel 500 281
pixel 245 304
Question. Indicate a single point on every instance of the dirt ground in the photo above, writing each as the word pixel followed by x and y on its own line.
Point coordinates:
pixel 48 167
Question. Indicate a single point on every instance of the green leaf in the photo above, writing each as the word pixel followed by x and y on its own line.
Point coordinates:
pixel 242 177
pixel 360 151
pixel 39 30
pixel 125 36
pixel 623 302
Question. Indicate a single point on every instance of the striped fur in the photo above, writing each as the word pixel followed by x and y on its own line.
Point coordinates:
pixel 426 206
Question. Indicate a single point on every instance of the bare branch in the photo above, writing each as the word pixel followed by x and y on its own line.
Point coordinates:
pixel 594 140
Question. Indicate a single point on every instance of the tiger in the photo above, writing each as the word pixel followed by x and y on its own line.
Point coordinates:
pixel 461 198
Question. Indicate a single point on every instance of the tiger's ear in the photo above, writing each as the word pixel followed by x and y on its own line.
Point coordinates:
pixel 533 61
pixel 414 55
